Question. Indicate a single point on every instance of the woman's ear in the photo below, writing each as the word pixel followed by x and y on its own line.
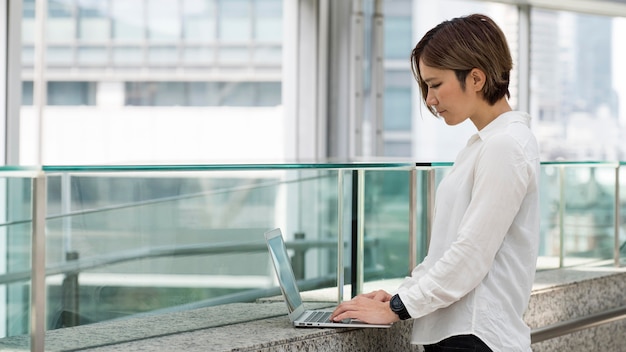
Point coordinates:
pixel 477 79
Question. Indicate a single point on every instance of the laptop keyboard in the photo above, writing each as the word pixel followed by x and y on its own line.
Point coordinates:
pixel 318 317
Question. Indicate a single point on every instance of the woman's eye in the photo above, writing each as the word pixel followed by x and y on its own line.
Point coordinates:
pixel 435 86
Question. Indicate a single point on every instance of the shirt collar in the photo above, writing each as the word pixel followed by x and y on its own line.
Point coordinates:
pixel 501 122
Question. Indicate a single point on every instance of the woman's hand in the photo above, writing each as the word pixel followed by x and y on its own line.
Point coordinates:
pixel 371 308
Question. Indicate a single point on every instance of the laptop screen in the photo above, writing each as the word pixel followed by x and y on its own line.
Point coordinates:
pixel 284 272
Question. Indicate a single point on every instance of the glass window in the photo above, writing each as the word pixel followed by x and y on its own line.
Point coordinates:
pixel 90 55
pixel 238 94
pixel 127 17
pixel 93 20
pixel 397 149
pixel 398 37
pixel 163 21
pixel 397 101
pixel 27 93
pixel 60 25
pixel 234 20
pixel 198 55
pixel 156 93
pixel 59 56
pixel 574 90
pixel 126 55
pixel 168 93
pixel 203 93
pixel 28 21
pixel 163 55
pixel 28 55
pixel 71 93
pixel 397 109
pixel 268 25
pixel 199 20
pixel 269 93
pixel 233 55
pixel 28 8
pixel 268 55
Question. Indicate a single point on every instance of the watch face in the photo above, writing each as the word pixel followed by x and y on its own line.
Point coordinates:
pixel 396 304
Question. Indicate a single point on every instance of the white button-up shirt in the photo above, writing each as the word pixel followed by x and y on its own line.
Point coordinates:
pixel 481 262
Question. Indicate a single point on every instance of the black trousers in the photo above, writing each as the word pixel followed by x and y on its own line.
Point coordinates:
pixel 458 343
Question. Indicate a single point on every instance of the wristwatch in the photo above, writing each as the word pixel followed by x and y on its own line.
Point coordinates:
pixel 398 307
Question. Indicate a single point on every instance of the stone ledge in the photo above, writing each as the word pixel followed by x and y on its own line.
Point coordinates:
pixel 558 295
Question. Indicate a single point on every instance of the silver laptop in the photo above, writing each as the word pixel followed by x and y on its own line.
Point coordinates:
pixel 299 316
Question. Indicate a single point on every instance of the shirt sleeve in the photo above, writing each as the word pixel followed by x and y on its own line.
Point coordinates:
pixel 501 179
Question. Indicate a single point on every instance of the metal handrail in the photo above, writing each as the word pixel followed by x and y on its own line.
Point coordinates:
pixel 573 325
pixel 167 251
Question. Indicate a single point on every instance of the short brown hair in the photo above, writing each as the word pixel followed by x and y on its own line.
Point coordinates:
pixel 464 43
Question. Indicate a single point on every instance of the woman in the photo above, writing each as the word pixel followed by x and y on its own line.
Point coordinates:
pixel 470 292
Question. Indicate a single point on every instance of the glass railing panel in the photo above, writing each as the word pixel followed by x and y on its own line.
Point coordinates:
pixel 388 246
pixel 550 222
pixel 15 246
pixel 153 242
pixel 386 224
pixel 589 220
pixel 124 241
pixel 578 214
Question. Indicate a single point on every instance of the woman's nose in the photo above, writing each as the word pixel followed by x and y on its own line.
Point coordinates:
pixel 430 99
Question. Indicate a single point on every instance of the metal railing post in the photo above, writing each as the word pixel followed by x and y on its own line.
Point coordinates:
pixel 561 216
pixel 70 314
pixel 430 204
pixel 412 219
pixel 340 268
pixel 38 265
pixel 298 258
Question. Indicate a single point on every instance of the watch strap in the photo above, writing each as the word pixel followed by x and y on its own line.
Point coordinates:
pixel 397 306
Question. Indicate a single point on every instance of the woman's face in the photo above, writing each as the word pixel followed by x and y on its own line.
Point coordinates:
pixel 445 95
